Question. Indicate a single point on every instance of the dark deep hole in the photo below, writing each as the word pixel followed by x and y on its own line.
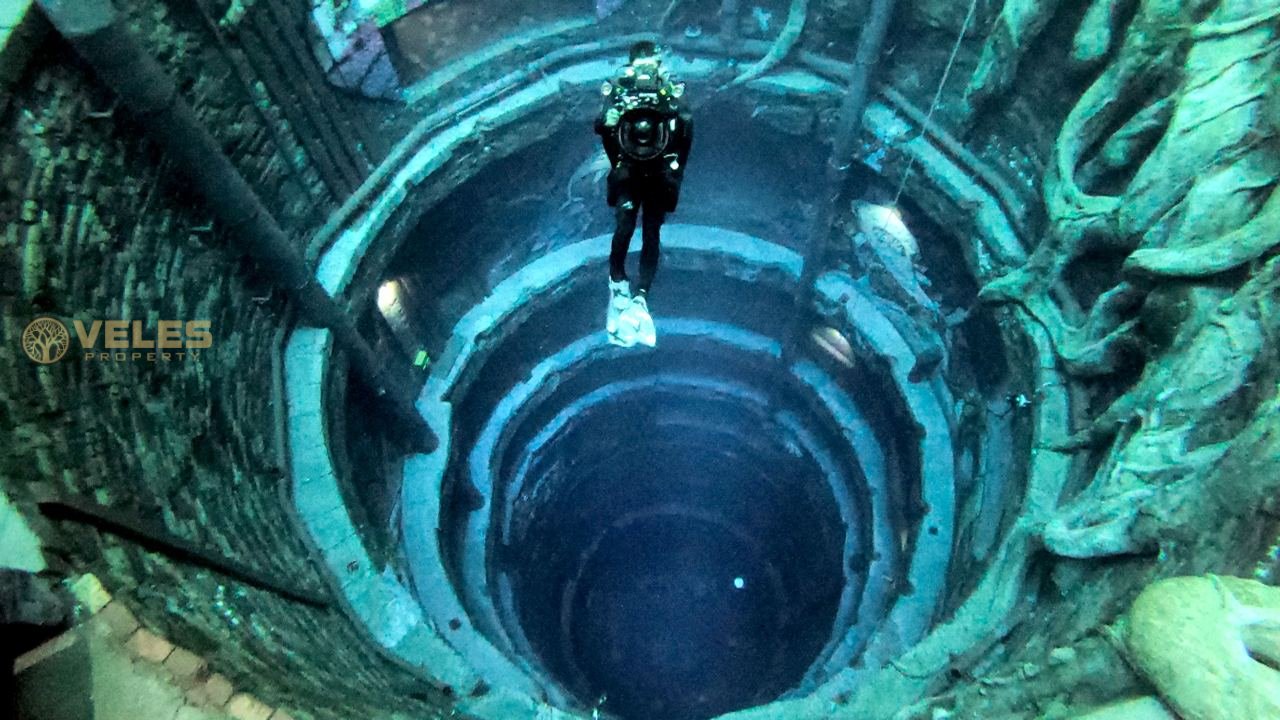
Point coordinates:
pixel 684 571
pixel 677 618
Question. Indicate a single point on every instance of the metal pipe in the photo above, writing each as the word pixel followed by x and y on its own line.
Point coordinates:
pixel 865 59
pixel 118 58
pixel 848 122
pixel 157 538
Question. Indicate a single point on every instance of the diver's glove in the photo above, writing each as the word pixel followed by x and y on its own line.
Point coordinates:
pixel 612 116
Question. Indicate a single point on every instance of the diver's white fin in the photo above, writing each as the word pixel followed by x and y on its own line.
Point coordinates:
pixel 637 317
pixel 621 331
pixel 622 339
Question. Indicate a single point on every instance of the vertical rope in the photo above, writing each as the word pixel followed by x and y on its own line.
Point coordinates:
pixel 848 122
pixel 973 4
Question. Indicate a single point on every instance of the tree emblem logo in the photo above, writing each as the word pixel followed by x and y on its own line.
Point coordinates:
pixel 46 340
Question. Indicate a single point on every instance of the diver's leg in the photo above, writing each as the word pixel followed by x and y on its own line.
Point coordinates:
pixel 625 228
pixel 654 215
pixel 619 288
pixel 637 315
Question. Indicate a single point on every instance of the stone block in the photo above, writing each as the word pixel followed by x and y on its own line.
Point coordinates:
pixel 124 689
pixel 244 706
pixel 117 620
pixel 213 692
pixel 149 646
pixel 1216 626
pixel 192 712
pixel 88 591
pixel 186 666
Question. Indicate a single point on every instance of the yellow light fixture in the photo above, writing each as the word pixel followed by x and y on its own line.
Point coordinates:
pixel 834 343
pixel 389 297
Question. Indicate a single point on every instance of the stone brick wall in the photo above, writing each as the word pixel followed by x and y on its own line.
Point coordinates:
pixel 96 225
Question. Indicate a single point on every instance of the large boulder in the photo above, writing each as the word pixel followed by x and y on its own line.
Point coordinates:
pixel 1210 645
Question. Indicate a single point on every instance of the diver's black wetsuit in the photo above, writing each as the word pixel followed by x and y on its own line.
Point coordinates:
pixel 650 184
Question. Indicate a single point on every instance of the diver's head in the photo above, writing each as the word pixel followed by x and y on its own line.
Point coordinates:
pixel 644 70
pixel 645 51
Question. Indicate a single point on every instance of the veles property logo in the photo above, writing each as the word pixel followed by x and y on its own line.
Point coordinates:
pixel 47 340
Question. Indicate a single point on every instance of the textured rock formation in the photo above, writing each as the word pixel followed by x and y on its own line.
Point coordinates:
pixel 1210 645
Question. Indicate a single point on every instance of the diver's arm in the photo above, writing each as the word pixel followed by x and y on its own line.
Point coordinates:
pixel 606 138
pixel 686 138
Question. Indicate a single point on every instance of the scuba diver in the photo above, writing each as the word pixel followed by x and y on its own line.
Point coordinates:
pixel 647 136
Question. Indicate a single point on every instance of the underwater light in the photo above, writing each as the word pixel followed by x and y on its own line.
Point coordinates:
pixel 389 297
pixel 888 220
pixel 834 343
